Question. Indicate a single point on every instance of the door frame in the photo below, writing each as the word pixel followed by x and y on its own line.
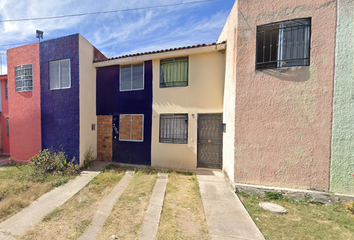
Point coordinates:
pixel 221 133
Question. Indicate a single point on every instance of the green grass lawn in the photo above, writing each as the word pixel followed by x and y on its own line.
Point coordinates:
pixel 302 221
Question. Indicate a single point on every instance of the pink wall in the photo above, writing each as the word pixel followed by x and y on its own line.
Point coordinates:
pixel 25 115
pixel 5 113
pixel 283 116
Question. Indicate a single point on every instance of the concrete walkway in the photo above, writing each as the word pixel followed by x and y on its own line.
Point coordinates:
pixel 225 214
pixel 153 212
pixel 3 159
pixel 106 207
pixel 34 213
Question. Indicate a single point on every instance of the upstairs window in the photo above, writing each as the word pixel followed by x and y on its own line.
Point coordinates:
pixel 59 74
pixel 174 72
pixel 23 78
pixel 132 77
pixel 174 128
pixel 283 44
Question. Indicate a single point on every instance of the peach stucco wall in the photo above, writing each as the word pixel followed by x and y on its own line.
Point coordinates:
pixel 25 107
pixel 282 116
pixel 203 94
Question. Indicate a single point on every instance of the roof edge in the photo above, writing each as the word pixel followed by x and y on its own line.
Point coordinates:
pixel 200 48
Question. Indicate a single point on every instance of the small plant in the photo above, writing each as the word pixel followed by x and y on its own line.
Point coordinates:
pixel 55 213
pixel 349 206
pixel 88 157
pixel 12 163
pixel 273 195
pixel 60 182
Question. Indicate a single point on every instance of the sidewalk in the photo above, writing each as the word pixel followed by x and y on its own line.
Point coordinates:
pixel 226 216
pixel 3 159
pixel 34 213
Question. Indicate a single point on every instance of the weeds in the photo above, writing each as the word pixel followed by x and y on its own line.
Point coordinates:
pixel 88 158
pixel 273 195
pixel 21 185
pixel 349 206
pixel 55 214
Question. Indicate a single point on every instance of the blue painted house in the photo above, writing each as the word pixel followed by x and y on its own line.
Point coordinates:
pixel 67 96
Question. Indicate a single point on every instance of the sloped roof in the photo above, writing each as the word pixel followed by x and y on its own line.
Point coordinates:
pixel 162 51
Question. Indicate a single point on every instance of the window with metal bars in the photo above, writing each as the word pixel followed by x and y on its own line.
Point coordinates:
pixel 283 44
pixel 23 78
pixel 174 128
pixel 174 72
pixel 6 90
pixel 7 126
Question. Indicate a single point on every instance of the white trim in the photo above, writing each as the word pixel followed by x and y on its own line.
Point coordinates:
pixel 131 78
pixel 60 60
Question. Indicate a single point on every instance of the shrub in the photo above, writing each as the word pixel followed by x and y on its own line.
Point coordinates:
pixel 48 163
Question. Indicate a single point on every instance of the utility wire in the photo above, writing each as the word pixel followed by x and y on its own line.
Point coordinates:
pixel 16 44
pixel 105 12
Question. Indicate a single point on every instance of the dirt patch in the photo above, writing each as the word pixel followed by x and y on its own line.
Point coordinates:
pixel 182 214
pixel 128 213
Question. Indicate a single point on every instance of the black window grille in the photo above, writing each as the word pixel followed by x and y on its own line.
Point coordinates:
pixel 283 44
pixel 174 72
pixel 174 128
pixel 6 90
pixel 7 127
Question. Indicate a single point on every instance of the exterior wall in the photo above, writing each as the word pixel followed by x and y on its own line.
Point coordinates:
pixel 25 115
pixel 204 94
pixel 5 113
pixel 104 138
pixel 87 73
pixel 229 34
pixel 283 116
pixel 343 110
pixel 60 108
pixel 110 101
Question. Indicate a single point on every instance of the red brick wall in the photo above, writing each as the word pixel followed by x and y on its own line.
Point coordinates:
pixel 137 128
pixel 131 127
pixel 124 127
pixel 104 138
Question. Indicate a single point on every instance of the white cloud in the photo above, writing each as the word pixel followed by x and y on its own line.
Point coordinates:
pixel 117 33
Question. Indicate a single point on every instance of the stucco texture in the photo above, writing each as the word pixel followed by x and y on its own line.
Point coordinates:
pixel 4 114
pixel 88 137
pixel 60 108
pixel 25 114
pixel 204 94
pixel 342 166
pixel 229 34
pixel 283 116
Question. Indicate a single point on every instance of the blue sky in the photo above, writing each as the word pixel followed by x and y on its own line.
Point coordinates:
pixel 115 34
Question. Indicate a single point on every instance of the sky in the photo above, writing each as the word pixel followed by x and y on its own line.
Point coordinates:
pixel 118 33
